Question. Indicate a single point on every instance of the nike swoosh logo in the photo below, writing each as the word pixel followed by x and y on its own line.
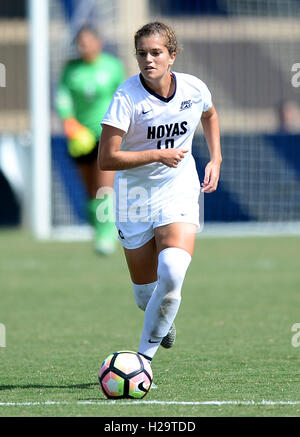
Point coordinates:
pixel 146 112
pixel 141 387
pixel 150 341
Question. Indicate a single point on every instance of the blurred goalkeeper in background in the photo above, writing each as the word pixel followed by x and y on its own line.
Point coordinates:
pixel 84 93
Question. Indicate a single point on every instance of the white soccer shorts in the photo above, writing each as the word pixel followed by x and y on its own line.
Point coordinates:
pixel 134 233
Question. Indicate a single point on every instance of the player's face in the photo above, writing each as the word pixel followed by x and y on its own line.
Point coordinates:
pixel 153 57
pixel 88 46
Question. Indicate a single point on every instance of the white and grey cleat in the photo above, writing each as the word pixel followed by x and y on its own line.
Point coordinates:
pixel 169 340
pixel 153 386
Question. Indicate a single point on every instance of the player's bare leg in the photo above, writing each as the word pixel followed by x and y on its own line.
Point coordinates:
pixel 94 178
pixel 142 263
pixel 180 235
pixel 88 176
pixel 105 233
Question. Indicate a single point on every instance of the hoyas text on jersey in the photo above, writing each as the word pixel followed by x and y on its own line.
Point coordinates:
pixel 166 130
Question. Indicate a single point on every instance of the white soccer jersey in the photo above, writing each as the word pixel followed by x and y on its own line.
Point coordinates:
pixel 151 121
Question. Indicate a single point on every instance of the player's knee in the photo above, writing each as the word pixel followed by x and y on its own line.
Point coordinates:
pixel 143 293
pixel 171 275
pixel 140 299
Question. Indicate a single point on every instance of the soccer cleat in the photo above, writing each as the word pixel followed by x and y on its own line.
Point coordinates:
pixel 153 386
pixel 105 238
pixel 169 340
pixel 105 246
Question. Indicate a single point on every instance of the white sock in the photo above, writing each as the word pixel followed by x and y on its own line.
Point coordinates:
pixel 165 300
pixel 142 293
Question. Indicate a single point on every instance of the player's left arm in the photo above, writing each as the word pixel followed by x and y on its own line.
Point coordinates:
pixel 211 127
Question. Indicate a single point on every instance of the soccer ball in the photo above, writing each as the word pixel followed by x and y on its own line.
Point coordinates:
pixel 125 374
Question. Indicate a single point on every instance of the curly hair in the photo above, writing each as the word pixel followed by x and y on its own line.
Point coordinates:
pixel 161 29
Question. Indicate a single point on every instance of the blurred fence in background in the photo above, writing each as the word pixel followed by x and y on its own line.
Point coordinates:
pixel 247 51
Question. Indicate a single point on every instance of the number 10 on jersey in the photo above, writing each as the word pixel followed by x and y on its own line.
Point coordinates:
pixel 169 144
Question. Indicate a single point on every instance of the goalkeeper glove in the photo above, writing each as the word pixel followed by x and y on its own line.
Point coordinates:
pixel 81 140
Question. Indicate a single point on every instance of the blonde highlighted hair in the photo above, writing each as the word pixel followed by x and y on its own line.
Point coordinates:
pixel 161 29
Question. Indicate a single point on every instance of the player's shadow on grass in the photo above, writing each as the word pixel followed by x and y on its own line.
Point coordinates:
pixel 41 386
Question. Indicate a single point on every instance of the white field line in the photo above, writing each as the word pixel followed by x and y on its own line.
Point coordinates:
pixel 141 402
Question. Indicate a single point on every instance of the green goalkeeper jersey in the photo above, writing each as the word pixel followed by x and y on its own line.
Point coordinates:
pixel 86 88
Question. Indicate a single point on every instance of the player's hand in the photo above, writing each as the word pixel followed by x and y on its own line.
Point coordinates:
pixel 72 128
pixel 81 140
pixel 171 157
pixel 211 177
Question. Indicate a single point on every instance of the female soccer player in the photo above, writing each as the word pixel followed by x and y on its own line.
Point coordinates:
pixel 84 93
pixel 147 137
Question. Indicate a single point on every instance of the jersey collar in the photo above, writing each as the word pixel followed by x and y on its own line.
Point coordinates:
pixel 158 96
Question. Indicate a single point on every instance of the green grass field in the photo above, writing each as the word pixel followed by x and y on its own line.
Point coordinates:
pixel 65 309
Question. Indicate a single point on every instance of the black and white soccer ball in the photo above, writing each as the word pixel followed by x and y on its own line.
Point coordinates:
pixel 125 374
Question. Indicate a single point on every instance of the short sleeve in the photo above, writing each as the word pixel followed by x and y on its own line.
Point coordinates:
pixel 120 111
pixel 63 99
pixel 207 99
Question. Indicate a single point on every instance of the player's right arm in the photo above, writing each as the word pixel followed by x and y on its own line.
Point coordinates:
pixel 111 157
pixel 64 105
pixel 81 140
pixel 63 99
